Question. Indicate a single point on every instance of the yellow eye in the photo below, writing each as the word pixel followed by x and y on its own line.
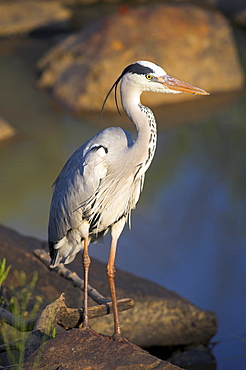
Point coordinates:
pixel 149 77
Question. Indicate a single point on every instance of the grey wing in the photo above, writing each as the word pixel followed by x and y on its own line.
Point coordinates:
pixel 77 182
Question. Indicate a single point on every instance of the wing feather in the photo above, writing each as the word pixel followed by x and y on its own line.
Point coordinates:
pixel 78 181
pixel 77 188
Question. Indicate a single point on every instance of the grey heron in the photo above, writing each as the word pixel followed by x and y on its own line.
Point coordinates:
pixel 101 182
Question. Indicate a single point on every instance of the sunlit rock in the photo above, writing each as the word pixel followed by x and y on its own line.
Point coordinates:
pixel 79 350
pixel 191 43
pixel 18 18
pixel 6 131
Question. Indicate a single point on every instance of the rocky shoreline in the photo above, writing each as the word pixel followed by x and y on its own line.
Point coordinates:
pixel 159 317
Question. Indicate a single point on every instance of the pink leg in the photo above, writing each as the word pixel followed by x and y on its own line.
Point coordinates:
pixel 116 230
pixel 86 263
pixel 111 275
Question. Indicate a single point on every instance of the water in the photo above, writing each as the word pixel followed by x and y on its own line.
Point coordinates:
pixel 188 231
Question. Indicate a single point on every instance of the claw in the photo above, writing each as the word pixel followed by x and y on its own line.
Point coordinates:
pixel 119 338
pixel 90 331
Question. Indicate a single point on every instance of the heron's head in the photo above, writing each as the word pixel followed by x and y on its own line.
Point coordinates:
pixel 148 76
pixel 151 77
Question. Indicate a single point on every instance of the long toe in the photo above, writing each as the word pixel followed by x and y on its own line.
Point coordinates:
pixel 121 339
pixel 88 330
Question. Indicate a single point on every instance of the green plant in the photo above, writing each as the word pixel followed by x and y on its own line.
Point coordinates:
pixel 22 302
pixel 3 275
pixel 24 305
pixel 3 271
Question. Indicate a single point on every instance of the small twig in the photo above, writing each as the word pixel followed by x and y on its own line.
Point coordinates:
pixel 71 317
pixel 16 322
pixel 70 275
pixel 76 315
pixel 58 313
pixel 17 345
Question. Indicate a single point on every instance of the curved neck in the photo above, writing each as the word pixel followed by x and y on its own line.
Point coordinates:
pixel 144 121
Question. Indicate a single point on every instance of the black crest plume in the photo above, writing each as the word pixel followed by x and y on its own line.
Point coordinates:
pixel 114 86
pixel 132 68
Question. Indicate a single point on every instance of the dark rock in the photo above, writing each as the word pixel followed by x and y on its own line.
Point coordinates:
pixel 239 17
pixel 188 41
pixel 22 17
pixel 159 317
pixel 77 349
pixel 18 250
pixel 195 358
pixel 229 7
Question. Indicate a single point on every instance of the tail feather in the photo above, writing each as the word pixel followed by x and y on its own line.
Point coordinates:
pixel 62 252
pixel 54 255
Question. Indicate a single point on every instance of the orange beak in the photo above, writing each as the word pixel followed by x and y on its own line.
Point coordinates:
pixel 177 85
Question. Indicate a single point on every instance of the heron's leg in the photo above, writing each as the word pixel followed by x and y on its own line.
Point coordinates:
pixel 115 231
pixel 86 264
pixel 111 275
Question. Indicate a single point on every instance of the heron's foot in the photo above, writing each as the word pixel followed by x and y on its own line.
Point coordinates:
pixel 121 339
pixel 88 330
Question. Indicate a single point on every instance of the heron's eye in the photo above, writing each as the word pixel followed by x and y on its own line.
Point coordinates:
pixel 149 77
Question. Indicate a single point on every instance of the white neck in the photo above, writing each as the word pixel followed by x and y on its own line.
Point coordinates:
pixel 144 121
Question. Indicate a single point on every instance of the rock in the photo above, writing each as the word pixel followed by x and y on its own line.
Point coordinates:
pixel 188 41
pixel 229 7
pixel 6 131
pixel 18 250
pixel 239 17
pixel 199 357
pixel 159 318
pixel 77 349
pixel 234 10
pixel 22 17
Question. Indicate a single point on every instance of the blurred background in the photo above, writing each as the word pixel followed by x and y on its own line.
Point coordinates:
pixel 188 231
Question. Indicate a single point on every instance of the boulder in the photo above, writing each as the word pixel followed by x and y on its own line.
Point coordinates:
pixel 77 350
pixel 22 17
pixel 159 318
pixel 234 10
pixel 187 41
pixel 239 17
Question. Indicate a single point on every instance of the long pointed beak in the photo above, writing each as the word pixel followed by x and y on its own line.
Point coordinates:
pixel 180 86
